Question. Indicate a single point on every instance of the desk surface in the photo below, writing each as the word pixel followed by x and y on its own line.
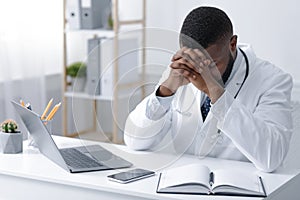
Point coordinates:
pixel 35 176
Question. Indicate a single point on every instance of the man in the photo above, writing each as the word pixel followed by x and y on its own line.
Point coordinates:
pixel 218 99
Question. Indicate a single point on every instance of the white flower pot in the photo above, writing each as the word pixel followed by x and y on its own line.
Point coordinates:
pixel 11 142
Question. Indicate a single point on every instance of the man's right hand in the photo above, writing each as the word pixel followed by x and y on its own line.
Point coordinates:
pixel 176 79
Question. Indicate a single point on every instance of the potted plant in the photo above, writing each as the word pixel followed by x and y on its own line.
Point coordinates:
pixel 11 139
pixel 110 22
pixel 77 74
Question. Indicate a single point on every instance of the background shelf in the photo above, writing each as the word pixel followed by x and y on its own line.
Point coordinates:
pixel 117 90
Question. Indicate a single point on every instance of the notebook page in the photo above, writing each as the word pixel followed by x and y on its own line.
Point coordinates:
pixel 237 178
pixel 193 173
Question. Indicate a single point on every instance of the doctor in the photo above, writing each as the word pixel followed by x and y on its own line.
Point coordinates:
pixel 217 99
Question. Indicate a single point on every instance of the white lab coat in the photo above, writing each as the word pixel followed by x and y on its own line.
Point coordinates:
pixel 256 126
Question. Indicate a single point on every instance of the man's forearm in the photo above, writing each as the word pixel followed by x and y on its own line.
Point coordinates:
pixel 164 91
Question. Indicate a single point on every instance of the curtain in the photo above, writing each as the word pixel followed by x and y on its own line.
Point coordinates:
pixel 30 49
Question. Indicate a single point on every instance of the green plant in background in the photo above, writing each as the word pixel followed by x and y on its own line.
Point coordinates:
pixel 110 22
pixel 9 126
pixel 76 69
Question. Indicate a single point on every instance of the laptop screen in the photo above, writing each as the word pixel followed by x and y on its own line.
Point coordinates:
pixel 40 134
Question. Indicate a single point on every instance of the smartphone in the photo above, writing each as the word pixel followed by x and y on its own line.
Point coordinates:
pixel 131 175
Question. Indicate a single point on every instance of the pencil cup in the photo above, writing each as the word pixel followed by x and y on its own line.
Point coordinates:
pixel 48 125
pixel 31 142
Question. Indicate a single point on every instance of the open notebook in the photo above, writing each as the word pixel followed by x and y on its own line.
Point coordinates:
pixel 199 179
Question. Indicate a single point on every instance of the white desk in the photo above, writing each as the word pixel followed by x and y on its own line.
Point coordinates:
pixel 30 175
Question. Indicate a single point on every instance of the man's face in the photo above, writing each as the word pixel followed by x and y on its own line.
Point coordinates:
pixel 221 55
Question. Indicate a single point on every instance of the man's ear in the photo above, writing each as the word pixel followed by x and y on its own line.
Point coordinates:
pixel 233 43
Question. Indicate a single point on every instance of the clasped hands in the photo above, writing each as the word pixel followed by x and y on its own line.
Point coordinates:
pixel 193 66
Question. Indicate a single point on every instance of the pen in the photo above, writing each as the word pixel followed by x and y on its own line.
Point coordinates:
pixel 262 185
pixel 28 106
pixel 46 109
pixel 53 111
pixel 211 178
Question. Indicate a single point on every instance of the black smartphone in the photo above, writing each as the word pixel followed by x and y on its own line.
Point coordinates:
pixel 131 175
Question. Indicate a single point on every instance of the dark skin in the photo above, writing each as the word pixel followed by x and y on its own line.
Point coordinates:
pixel 202 70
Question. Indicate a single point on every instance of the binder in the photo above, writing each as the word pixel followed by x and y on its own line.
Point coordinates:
pixel 95 13
pixel 127 61
pixel 87 14
pixel 73 14
pixel 94 66
pixel 101 60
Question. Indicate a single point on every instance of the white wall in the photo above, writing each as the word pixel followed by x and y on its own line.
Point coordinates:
pixel 270 26
pixel 31 35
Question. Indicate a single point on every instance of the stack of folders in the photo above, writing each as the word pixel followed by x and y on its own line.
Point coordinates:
pixel 199 179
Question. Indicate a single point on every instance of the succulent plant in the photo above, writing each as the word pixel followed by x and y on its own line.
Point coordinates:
pixel 9 126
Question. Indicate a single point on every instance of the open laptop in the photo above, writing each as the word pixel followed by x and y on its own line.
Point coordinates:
pixel 77 159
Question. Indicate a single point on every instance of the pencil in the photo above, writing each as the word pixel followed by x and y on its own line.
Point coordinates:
pixel 53 111
pixel 46 109
pixel 22 103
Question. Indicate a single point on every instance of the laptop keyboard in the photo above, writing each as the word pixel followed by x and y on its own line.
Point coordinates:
pixel 76 159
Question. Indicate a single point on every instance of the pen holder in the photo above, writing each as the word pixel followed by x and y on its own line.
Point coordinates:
pixel 48 125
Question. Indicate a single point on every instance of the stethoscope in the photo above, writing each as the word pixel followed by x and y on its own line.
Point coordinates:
pixel 182 97
pixel 246 73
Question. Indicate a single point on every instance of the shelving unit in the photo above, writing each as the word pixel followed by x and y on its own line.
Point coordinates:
pixel 117 23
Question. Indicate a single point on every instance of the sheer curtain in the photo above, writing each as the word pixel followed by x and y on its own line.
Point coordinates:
pixel 30 49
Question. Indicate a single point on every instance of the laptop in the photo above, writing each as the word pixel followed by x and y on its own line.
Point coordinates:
pixel 74 160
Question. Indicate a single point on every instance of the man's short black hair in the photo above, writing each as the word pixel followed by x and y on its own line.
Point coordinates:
pixel 205 26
